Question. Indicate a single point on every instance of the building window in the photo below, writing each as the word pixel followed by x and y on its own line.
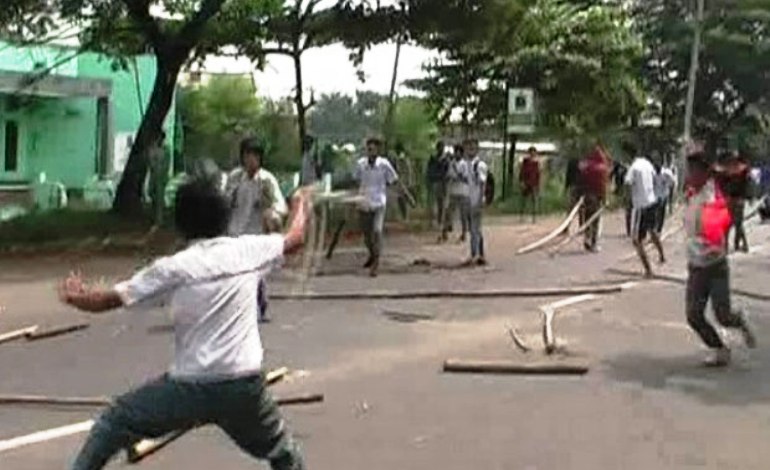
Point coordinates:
pixel 11 160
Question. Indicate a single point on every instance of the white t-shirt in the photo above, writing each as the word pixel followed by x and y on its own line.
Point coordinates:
pixel 374 180
pixel 641 178
pixel 211 290
pixel 247 196
pixel 458 175
pixel 478 178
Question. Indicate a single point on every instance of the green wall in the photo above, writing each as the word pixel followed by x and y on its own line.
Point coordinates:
pixel 58 135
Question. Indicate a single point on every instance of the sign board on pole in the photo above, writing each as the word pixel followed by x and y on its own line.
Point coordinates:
pixel 521 111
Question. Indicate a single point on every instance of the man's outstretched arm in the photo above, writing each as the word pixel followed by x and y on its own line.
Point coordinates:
pixel 295 235
pixel 75 292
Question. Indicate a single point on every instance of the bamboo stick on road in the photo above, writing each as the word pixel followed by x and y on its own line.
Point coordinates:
pixel 514 368
pixel 558 231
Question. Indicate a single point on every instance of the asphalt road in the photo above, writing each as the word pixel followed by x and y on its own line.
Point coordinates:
pixel 646 403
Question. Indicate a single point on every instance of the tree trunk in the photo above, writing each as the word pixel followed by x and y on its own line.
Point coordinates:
pixel 299 95
pixel 128 199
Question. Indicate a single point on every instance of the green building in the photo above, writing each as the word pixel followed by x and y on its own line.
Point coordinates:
pixel 69 115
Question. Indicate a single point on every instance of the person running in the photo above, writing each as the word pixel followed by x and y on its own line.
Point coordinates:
pixel 640 180
pixel 216 376
pixel 594 175
pixel 435 177
pixel 707 225
pixel 529 179
pixel 458 179
pixel 257 203
pixel 374 174
pixel 477 190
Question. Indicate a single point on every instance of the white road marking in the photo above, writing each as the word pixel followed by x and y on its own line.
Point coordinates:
pixel 47 435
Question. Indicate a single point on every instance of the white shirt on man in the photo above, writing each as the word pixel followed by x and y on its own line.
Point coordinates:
pixel 374 179
pixel 664 182
pixel 250 196
pixel 641 178
pixel 458 175
pixel 211 290
pixel 477 180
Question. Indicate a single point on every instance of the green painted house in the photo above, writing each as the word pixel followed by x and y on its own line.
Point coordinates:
pixel 74 123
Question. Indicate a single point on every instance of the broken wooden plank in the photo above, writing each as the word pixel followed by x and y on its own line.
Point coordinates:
pixel 515 368
pixel 148 447
pixel 57 331
pixel 558 231
pixel 432 294
pixel 579 232
pixel 18 334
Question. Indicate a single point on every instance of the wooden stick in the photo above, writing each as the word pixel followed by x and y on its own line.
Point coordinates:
pixel 276 375
pixel 683 281
pixel 508 367
pixel 517 340
pixel 57 331
pixel 548 336
pixel 559 230
pixel 580 230
pixel 148 447
pixel 18 334
pixel 54 401
pixel 546 292
pixel 408 316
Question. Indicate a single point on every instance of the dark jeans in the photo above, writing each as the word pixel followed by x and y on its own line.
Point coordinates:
pixel 710 282
pixel 436 201
pixel 591 206
pixel 477 236
pixel 461 205
pixel 372 224
pixel 262 302
pixel 737 210
pixel 242 408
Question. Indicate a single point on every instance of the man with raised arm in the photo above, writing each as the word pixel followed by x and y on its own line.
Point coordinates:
pixel 216 377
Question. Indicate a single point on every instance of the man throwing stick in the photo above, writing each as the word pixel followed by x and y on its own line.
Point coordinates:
pixel 640 179
pixel 594 174
pixel 707 223
pixel 216 377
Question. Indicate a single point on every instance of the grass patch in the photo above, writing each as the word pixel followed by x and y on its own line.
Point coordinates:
pixel 67 225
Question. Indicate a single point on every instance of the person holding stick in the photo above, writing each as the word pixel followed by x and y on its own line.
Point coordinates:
pixel 594 175
pixel 216 376
pixel 374 174
pixel 707 225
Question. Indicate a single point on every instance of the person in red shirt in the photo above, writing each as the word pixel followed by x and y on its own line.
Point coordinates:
pixel 594 172
pixel 529 178
pixel 733 179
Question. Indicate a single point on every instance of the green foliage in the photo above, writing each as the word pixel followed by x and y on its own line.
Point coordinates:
pixel 415 128
pixel 278 128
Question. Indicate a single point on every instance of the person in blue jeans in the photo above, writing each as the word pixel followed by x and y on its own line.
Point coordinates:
pixel 478 174
pixel 216 376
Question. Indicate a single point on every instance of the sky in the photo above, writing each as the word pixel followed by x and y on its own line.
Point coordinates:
pixel 329 70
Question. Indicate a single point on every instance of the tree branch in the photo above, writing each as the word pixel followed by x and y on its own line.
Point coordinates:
pixel 193 29
pixel 139 12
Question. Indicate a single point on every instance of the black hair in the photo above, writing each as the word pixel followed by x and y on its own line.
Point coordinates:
pixel 531 150
pixel 200 210
pixel 253 146
pixel 630 148
pixel 374 141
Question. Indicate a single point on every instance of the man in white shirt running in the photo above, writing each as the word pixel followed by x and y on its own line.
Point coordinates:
pixel 641 180
pixel 477 190
pixel 374 174
pixel 216 376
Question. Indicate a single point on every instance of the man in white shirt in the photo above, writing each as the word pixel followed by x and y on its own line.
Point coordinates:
pixel 663 184
pixel 459 193
pixel 476 190
pixel 641 180
pixel 216 376
pixel 374 174
pixel 257 203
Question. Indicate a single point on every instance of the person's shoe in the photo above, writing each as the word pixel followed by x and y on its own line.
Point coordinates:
pixel 481 262
pixel 374 268
pixel 747 329
pixel 461 239
pixel 649 275
pixel 595 249
pixel 718 358
pixel 369 262
pixel 265 318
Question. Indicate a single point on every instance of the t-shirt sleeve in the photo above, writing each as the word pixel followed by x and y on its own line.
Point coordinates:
pixel 629 179
pixel 265 252
pixel 483 172
pixel 150 286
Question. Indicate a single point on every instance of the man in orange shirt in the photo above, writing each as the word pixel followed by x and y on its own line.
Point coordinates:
pixel 529 178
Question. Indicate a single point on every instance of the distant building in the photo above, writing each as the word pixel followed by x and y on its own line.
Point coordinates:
pixel 69 115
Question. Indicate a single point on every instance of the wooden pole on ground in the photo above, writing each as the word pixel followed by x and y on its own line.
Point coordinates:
pixel 509 367
pixel 18 334
pixel 579 232
pixel 559 230
pixel 57 331
pixel 503 293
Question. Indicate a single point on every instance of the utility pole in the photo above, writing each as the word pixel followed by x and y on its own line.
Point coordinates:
pixel 693 78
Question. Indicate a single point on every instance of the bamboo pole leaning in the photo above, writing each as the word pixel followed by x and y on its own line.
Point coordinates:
pixel 558 231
